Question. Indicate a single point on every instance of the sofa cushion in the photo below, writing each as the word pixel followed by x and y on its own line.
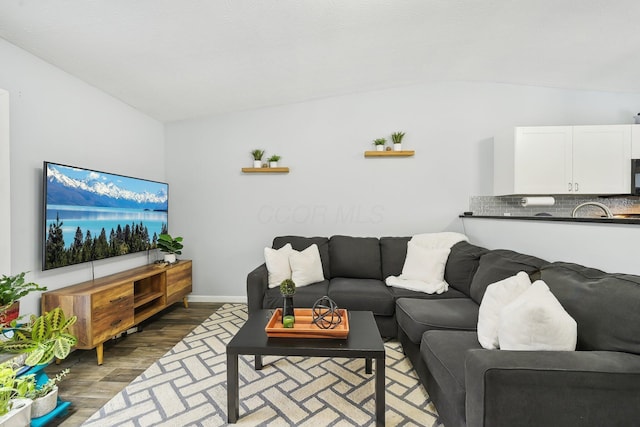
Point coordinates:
pixel 444 353
pixel 416 316
pixel 604 305
pixel 355 257
pixel 406 293
pixel 462 264
pixel 277 262
pixel 301 243
pixel 304 297
pixel 306 266
pixel 362 294
pixel 499 264
pixel 393 251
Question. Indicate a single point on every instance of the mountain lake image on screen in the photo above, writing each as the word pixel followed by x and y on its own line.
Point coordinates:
pixel 91 215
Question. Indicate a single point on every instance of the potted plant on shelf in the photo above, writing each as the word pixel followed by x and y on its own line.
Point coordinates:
pixel 44 396
pixel 12 288
pixel 14 411
pixel 396 137
pixel 257 158
pixel 43 338
pixel 170 246
pixel 287 289
pixel 273 161
pixel 379 143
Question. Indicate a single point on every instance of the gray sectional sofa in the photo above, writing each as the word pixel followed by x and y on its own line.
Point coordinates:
pixel 596 385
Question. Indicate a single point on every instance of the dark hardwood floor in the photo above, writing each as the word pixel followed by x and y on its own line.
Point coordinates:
pixel 89 386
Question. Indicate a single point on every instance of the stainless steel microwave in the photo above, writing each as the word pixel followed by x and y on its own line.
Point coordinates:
pixel 635 177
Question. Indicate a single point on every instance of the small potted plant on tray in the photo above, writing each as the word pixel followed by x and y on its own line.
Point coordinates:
pixel 14 411
pixel 170 246
pixel 287 289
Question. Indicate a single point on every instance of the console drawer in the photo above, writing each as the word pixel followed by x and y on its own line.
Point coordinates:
pixel 112 312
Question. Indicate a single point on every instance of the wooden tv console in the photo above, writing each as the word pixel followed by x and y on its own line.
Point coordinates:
pixel 110 305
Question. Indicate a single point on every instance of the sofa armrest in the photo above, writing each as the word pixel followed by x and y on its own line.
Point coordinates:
pixel 551 388
pixel 257 285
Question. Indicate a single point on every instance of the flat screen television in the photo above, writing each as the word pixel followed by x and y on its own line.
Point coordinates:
pixel 90 215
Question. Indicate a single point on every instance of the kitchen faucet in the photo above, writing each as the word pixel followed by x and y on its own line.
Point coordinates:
pixel 597 204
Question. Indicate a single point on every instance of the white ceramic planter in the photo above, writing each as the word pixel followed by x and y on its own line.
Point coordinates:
pixel 273 164
pixel 397 147
pixel 379 147
pixel 170 258
pixel 43 405
pixel 257 163
pixel 19 415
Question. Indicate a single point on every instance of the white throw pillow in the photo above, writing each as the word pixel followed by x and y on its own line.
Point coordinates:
pixel 422 264
pixel 536 321
pixel 277 261
pixel 497 296
pixel 306 266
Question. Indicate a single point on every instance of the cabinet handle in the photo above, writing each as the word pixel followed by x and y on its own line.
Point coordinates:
pixel 569 187
pixel 576 186
pixel 116 322
pixel 113 301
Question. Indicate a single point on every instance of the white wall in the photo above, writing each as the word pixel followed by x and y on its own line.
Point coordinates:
pixel 608 247
pixel 5 179
pixel 227 217
pixel 56 117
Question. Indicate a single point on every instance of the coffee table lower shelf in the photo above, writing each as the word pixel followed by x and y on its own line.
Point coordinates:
pixel 364 342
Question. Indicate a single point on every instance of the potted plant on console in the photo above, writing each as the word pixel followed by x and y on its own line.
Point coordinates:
pixel 12 288
pixel 170 246
pixel 287 289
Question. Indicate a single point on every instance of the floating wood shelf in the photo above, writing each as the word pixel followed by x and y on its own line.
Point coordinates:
pixel 265 170
pixel 404 153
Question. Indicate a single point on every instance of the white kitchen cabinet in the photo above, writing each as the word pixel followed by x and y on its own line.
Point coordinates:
pixel 564 160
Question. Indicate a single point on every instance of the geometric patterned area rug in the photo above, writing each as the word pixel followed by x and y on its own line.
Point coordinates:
pixel 187 387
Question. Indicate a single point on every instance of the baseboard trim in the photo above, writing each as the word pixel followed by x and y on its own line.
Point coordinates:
pixel 217 298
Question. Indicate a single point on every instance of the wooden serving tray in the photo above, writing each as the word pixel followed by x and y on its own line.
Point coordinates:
pixel 304 326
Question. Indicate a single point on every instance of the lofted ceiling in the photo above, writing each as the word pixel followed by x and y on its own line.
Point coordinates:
pixel 179 59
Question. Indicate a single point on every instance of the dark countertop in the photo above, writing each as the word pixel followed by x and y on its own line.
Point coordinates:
pixel 602 220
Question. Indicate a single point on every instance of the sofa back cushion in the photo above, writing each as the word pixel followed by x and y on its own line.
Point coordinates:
pixel 355 257
pixel 462 265
pixel 604 305
pixel 301 243
pixel 394 252
pixel 499 264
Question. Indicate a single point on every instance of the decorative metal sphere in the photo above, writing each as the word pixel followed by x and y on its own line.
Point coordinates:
pixel 325 313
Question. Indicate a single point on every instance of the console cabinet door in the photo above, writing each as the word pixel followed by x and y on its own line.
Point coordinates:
pixel 112 312
pixel 178 282
pixel 601 159
pixel 543 160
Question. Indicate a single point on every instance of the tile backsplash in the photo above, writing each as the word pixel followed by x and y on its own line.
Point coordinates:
pixel 563 207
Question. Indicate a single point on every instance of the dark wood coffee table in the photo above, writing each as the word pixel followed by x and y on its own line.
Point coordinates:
pixel 363 342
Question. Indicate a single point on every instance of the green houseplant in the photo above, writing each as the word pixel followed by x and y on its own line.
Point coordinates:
pixel 273 161
pixel 257 158
pixel 396 137
pixel 13 409
pixel 171 246
pixel 43 338
pixel 45 396
pixel 379 143
pixel 12 288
